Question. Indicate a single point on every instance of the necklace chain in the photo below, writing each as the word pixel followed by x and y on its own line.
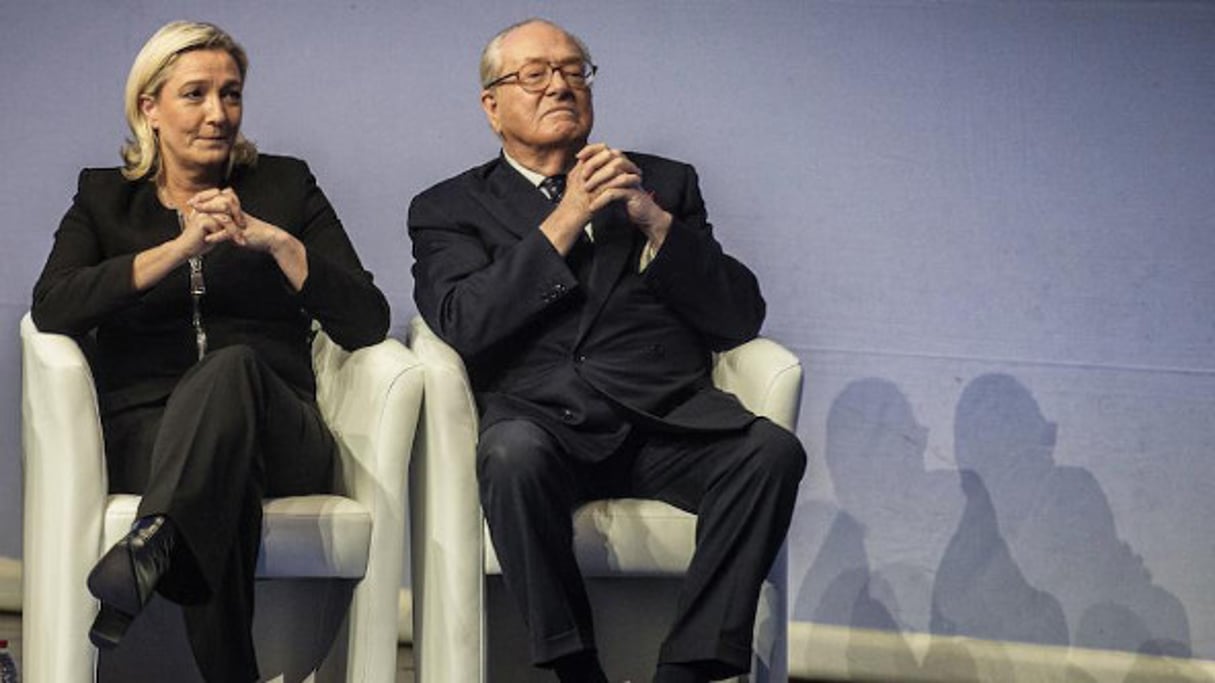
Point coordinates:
pixel 198 287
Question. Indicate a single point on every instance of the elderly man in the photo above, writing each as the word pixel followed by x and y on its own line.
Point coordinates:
pixel 585 291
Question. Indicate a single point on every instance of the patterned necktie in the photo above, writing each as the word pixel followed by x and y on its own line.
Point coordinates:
pixel 554 186
pixel 579 258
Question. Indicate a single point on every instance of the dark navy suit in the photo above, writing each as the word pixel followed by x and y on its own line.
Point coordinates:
pixel 594 381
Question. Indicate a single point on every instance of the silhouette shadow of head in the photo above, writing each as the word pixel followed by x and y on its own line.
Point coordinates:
pixel 999 428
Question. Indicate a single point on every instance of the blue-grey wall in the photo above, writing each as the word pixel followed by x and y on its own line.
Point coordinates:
pixel 986 229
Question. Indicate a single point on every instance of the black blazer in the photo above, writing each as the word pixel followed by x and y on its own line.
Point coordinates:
pixel 588 361
pixel 145 340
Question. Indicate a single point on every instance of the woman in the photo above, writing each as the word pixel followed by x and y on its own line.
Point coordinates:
pixel 200 266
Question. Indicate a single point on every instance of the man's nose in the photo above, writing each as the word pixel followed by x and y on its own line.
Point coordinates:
pixel 558 82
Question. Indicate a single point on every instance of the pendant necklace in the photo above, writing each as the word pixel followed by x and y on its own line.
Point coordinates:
pixel 198 287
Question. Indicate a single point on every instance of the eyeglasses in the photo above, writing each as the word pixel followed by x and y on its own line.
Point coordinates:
pixel 535 76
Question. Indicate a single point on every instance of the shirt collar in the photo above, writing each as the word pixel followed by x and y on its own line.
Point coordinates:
pixel 532 177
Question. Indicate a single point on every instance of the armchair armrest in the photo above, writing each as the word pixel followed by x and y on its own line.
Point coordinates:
pixel 370 403
pixel 65 493
pixel 446 522
pixel 370 399
pixel 765 376
pixel 449 422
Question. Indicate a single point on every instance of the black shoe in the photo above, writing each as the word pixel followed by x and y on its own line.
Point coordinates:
pixel 124 578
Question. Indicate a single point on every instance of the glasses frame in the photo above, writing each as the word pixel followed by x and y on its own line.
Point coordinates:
pixel 588 76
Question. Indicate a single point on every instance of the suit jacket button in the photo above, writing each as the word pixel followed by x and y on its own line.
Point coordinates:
pixel 580 359
pixel 567 415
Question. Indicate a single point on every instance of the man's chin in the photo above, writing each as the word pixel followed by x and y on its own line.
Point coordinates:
pixel 566 135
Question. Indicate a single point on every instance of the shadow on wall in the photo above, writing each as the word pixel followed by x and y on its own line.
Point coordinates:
pixel 1059 527
pixel 1033 556
pixel 887 532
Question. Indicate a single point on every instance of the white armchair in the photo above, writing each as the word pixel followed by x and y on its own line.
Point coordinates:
pixel 369 398
pixel 623 546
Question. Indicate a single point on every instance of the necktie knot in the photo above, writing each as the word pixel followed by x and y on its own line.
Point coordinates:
pixel 554 187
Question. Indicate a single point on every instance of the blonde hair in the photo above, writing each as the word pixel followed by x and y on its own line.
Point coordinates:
pixel 491 56
pixel 141 155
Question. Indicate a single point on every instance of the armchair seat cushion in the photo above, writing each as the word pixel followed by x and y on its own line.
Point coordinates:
pixel 319 536
pixel 626 536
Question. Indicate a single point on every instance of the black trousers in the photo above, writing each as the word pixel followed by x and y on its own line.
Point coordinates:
pixel 231 433
pixel 742 486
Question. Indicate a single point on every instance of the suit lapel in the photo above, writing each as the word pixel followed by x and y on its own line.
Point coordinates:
pixel 520 208
pixel 517 204
pixel 615 240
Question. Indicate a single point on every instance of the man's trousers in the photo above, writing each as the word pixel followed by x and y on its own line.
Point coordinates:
pixel 741 485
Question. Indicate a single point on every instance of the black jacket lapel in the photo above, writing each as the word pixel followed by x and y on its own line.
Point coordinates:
pixel 616 242
pixel 517 204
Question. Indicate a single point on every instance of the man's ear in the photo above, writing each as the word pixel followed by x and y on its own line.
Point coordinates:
pixel 489 104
